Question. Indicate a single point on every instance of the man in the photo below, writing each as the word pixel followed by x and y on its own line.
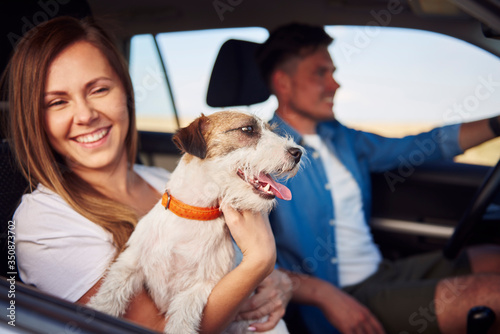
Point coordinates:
pixel 322 235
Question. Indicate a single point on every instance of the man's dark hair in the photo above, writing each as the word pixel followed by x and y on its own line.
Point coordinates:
pixel 288 41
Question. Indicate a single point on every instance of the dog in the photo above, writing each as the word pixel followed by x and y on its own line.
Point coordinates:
pixel 229 157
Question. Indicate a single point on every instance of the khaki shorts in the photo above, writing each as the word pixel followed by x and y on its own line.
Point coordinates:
pixel 401 293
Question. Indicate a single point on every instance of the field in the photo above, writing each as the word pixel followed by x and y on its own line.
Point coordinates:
pixel 487 154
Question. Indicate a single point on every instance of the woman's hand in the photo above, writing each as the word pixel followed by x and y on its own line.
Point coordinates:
pixel 252 233
pixel 270 299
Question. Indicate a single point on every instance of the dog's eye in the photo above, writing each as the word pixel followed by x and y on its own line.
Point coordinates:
pixel 247 129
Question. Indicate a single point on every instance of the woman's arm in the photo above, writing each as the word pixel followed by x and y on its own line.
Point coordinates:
pixel 252 234
pixel 141 310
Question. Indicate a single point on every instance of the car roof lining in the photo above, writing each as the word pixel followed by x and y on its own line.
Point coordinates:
pixel 457 18
pixel 156 16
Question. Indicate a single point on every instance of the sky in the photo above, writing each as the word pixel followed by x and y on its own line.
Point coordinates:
pixel 386 74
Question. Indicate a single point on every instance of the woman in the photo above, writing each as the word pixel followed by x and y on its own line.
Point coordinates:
pixel 73 131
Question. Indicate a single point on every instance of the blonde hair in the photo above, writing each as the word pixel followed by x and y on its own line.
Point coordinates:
pixel 40 163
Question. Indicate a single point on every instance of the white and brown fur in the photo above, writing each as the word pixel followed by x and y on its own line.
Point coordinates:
pixel 179 261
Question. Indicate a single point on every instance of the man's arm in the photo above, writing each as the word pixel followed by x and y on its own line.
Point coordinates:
pixel 342 311
pixel 475 133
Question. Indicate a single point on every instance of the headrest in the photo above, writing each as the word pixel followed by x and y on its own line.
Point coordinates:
pixel 22 15
pixel 236 79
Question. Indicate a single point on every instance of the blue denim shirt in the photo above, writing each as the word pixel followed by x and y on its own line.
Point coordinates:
pixel 304 227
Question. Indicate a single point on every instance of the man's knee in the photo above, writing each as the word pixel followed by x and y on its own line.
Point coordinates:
pixel 454 297
pixel 484 258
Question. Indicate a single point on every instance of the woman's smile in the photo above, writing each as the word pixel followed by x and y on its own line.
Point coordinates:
pixel 93 139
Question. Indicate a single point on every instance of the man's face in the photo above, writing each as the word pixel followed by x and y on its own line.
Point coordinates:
pixel 309 95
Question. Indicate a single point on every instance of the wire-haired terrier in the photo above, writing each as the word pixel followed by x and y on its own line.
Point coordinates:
pixel 182 247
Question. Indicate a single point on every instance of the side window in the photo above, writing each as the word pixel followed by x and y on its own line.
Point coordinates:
pixel 397 82
pixel 154 105
pixel 394 82
pixel 190 57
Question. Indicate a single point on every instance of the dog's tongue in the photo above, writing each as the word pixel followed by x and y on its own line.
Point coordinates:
pixel 278 189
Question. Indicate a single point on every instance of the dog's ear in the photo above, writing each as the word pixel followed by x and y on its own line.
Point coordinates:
pixel 190 139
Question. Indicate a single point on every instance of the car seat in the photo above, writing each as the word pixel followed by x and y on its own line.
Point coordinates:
pixel 17 18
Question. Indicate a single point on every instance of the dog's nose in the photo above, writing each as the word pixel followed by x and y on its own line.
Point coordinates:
pixel 296 153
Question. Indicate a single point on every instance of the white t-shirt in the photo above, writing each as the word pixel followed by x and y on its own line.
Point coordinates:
pixel 58 250
pixel 358 256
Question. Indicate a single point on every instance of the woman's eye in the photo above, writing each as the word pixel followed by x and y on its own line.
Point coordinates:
pixel 55 103
pixel 100 90
pixel 247 129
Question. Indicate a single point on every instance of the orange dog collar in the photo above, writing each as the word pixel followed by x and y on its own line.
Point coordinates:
pixel 184 210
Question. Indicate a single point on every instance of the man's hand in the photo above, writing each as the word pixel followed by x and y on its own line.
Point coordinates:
pixel 350 316
pixel 270 299
pixel 343 311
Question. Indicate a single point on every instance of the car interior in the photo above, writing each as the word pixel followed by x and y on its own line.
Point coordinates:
pixel 438 206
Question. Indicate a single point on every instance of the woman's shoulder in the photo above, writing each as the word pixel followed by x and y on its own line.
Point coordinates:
pixel 45 213
pixel 40 200
pixel 58 250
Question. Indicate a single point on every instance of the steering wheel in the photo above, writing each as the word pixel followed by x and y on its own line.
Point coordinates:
pixel 465 227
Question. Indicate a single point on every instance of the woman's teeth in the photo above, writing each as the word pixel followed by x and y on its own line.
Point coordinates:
pixel 91 138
